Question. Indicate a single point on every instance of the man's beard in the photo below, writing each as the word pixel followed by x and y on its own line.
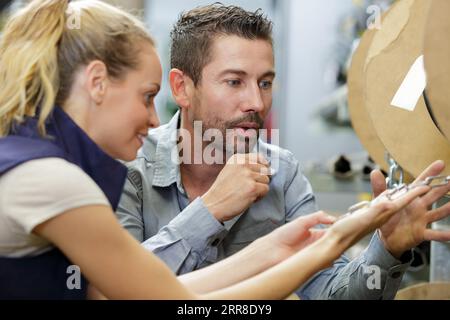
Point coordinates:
pixel 231 142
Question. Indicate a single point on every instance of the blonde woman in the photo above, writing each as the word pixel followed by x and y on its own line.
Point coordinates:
pixel 72 99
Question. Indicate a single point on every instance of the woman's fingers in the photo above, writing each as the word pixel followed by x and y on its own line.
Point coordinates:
pixel 387 208
pixel 316 234
pixel 317 218
pixel 409 196
pixel 436 194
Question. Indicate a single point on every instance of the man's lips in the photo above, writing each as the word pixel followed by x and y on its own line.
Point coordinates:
pixel 247 126
pixel 247 130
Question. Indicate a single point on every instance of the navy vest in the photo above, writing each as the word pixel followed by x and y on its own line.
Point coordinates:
pixel 47 276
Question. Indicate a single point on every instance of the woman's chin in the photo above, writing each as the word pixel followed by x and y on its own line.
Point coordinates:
pixel 126 155
pixel 129 157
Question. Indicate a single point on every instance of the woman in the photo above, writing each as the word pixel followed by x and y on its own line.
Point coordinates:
pixel 73 98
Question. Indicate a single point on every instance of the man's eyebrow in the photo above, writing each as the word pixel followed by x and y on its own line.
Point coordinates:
pixel 270 73
pixel 234 71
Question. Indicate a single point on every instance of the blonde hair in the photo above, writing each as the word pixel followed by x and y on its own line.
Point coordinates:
pixel 41 50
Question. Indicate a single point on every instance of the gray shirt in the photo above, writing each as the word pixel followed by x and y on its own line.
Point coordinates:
pixel 155 209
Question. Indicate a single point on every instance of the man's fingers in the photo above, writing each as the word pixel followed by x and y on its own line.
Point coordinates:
pixel 434 169
pixel 378 183
pixel 266 171
pixel 256 158
pixel 261 178
pixel 262 160
pixel 436 235
pixel 260 169
pixel 249 158
pixel 439 214
pixel 261 190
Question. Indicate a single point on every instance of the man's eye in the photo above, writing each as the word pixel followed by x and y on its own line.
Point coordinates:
pixel 234 83
pixel 265 84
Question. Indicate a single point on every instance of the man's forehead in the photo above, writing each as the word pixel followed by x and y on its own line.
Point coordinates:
pixel 237 54
pixel 233 44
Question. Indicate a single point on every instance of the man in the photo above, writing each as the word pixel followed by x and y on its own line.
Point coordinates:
pixel 192 211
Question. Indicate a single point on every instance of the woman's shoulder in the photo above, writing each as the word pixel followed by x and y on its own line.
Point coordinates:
pixel 51 179
pixel 38 190
pixel 53 169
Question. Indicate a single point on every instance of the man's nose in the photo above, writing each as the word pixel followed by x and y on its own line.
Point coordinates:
pixel 253 101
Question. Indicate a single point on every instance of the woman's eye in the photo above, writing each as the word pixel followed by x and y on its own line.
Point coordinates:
pixel 265 84
pixel 149 99
pixel 233 83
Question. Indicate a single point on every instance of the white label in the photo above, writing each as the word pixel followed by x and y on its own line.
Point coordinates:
pixel 412 87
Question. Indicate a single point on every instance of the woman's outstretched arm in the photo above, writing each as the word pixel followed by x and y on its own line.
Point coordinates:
pixel 120 268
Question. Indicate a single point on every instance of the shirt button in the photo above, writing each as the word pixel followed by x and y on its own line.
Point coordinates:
pixel 215 243
pixel 396 275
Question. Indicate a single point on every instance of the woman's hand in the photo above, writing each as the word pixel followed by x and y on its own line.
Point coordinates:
pixel 353 227
pixel 294 236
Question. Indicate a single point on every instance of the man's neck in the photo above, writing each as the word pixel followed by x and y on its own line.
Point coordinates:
pixel 196 178
pixel 202 175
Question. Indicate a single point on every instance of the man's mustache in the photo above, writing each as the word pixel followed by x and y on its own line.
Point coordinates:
pixel 251 117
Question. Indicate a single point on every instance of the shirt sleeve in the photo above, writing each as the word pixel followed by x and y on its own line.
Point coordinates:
pixel 129 210
pixel 299 196
pixel 189 239
pixel 373 275
pixel 185 243
pixel 40 190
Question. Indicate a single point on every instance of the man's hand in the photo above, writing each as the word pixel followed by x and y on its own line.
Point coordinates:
pixel 409 227
pixel 243 181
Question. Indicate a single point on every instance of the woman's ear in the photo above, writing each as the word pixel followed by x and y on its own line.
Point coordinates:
pixel 97 78
pixel 181 86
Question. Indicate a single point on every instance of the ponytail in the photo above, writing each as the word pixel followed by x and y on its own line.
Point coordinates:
pixel 29 76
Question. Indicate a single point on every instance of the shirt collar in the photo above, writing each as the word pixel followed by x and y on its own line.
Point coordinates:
pixel 166 159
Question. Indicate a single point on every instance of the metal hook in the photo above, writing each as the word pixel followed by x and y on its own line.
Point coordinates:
pixel 394 168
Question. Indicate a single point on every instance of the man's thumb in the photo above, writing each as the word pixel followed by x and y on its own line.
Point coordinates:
pixel 378 182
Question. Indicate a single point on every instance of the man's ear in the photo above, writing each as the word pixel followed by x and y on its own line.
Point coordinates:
pixel 181 85
pixel 97 80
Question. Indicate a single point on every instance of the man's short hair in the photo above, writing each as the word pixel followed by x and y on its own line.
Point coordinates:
pixel 193 34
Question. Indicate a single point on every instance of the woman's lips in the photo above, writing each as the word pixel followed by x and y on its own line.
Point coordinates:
pixel 141 138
